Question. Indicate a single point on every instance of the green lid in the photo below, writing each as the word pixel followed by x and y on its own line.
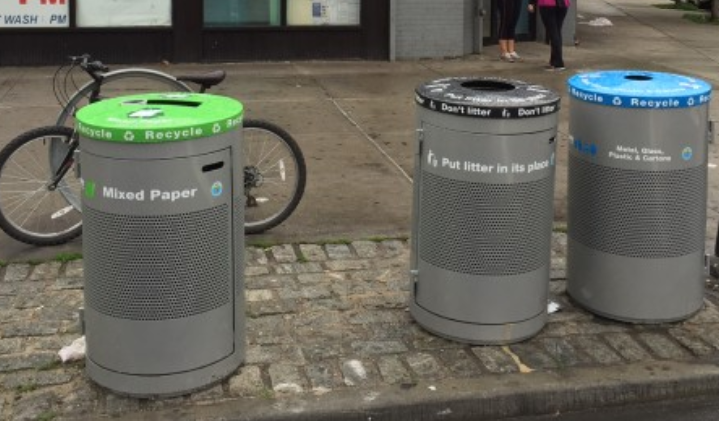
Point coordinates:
pixel 158 118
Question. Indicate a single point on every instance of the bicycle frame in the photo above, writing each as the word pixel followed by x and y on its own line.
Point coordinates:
pixel 94 88
pixel 66 163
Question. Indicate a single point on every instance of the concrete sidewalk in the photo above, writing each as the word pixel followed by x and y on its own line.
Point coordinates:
pixel 329 335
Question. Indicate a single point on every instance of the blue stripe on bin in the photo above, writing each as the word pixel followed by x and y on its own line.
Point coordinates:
pixel 639 89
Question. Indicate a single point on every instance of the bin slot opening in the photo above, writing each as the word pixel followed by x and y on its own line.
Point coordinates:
pixel 488 86
pixel 174 102
pixel 641 78
pixel 213 167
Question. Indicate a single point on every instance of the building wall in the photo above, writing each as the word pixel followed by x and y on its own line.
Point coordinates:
pixel 432 28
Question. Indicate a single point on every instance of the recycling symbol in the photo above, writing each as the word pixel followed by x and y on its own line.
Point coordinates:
pixel 129 136
pixel 216 128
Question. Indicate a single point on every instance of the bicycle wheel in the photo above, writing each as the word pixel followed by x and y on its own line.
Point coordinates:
pixel 29 211
pixel 275 175
pixel 119 83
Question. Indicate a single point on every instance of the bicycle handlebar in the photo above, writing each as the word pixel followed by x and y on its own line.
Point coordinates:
pixel 89 66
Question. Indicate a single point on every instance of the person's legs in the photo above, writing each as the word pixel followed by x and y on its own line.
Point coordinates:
pixel 514 7
pixel 549 19
pixel 507 23
pixel 559 13
pixel 503 47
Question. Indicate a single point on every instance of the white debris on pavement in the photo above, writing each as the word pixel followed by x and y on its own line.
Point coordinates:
pixel 288 388
pixel 553 307
pixel 357 372
pixel 73 352
pixel 319 391
pixel 599 22
pixel 371 396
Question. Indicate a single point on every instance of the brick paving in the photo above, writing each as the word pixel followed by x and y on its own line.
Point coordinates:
pixel 321 318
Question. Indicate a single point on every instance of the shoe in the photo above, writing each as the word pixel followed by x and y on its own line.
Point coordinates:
pixel 506 57
pixel 550 68
pixel 515 56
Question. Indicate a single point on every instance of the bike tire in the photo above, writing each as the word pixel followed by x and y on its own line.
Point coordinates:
pixel 29 211
pixel 280 166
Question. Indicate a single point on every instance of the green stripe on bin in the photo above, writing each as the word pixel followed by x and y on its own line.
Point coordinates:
pixel 159 118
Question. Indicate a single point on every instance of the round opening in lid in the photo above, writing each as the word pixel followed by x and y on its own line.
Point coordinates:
pixel 641 78
pixel 488 86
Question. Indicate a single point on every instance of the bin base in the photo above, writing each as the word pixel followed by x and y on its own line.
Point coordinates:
pixel 164 386
pixel 635 290
pixel 620 318
pixel 475 333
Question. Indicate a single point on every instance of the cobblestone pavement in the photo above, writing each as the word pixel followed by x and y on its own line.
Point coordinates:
pixel 321 318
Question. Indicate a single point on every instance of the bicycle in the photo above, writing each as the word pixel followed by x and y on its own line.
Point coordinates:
pixel 40 171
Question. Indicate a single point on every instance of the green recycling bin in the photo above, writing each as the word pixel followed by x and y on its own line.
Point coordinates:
pixel 163 244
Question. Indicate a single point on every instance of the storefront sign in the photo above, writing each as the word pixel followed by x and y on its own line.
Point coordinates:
pixel 34 14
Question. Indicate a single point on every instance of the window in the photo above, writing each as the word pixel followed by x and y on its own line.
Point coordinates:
pixel 239 13
pixel 233 13
pixel 117 13
pixel 323 12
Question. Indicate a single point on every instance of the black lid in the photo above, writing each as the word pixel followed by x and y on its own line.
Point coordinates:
pixel 487 97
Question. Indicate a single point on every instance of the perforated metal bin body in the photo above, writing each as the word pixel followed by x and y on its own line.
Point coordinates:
pixel 637 194
pixel 163 243
pixel 483 208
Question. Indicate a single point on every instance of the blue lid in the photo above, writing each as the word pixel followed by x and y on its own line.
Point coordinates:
pixel 639 89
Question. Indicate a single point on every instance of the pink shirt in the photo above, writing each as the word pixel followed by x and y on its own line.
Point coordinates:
pixel 551 3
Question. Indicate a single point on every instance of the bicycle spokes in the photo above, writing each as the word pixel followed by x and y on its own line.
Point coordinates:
pixel 274 175
pixel 33 198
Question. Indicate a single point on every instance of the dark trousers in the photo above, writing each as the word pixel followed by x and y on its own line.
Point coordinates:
pixel 553 19
pixel 508 17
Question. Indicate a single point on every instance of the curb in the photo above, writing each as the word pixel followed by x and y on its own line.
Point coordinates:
pixel 489 398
